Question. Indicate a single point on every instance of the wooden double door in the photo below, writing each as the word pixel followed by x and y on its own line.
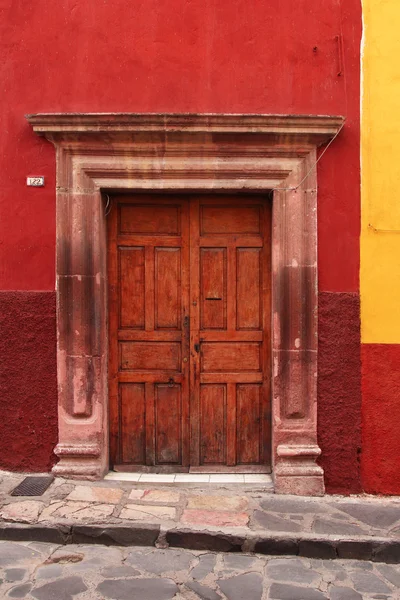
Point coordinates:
pixel 189 330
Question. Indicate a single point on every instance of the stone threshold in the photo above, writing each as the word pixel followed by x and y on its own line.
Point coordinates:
pixel 326 547
pixel 211 478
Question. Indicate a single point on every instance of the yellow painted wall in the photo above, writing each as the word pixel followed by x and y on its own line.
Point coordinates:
pixel 380 176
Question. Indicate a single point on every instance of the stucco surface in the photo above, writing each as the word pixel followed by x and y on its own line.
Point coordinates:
pixel 380 247
pixel 28 385
pixel 339 391
pixel 381 418
pixel 380 149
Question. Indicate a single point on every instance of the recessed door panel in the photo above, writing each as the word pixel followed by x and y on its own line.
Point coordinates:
pixel 230 357
pixel 145 219
pixel 248 288
pixel 131 287
pixel 150 356
pixel 133 418
pixel 248 423
pixel 229 217
pixel 168 425
pixel 168 293
pixel 213 288
pixel 212 424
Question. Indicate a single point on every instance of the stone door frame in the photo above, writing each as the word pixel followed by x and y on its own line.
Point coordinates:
pixel 98 153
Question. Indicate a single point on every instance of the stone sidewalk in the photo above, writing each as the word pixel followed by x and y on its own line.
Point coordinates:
pixel 247 518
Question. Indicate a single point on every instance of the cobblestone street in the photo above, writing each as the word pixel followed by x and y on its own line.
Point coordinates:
pixel 48 572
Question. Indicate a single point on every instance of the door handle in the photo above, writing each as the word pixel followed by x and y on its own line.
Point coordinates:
pixel 197 348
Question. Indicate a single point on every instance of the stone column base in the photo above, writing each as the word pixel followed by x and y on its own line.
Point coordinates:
pixel 79 462
pixel 296 472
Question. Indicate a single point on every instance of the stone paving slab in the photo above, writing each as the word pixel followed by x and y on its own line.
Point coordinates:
pixel 222 517
pixel 39 571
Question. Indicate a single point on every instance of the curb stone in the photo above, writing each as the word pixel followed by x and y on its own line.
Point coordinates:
pixel 115 535
pixel 369 549
pixel 53 534
pixel 205 540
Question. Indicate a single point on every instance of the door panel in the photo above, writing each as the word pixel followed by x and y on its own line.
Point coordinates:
pixel 133 412
pixel 150 218
pixel 248 423
pixel 230 335
pixel 150 356
pixel 149 331
pixel 248 288
pixel 231 357
pixel 229 217
pixel 213 288
pixel 189 297
pixel 168 425
pixel 213 410
pixel 131 287
pixel 167 288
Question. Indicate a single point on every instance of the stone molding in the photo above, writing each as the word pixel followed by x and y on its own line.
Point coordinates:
pixel 60 124
pixel 191 153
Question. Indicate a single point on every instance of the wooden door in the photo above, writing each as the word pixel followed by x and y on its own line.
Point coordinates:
pixel 230 333
pixel 189 304
pixel 149 331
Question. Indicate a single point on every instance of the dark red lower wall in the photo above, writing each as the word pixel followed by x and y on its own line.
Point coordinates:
pixel 28 388
pixel 339 391
pixel 28 381
pixel 381 418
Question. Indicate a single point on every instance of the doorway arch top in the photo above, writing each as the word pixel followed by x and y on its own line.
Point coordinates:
pixel 186 152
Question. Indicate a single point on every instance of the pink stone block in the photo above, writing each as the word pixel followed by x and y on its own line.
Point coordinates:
pixel 83 493
pixel 26 511
pixel 138 512
pixel 215 518
pixel 163 496
pixel 218 503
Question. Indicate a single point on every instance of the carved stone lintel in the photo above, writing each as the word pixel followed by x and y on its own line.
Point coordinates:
pixel 189 153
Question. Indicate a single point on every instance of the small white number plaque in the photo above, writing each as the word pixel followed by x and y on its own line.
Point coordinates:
pixel 35 181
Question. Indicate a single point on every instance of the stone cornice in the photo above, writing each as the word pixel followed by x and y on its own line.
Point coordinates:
pixel 316 129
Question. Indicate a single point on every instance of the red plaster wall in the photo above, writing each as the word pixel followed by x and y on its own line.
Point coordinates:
pixel 339 391
pixel 175 55
pixel 381 409
pixel 28 381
